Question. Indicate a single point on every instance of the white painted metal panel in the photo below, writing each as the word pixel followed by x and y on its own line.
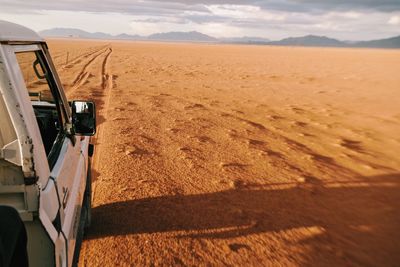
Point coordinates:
pixel 29 123
pixel 14 32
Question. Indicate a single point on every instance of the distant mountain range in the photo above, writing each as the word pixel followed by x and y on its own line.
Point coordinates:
pixel 393 42
pixel 76 33
pixel 309 40
pixel 193 36
pixel 322 41
pixel 182 36
pixel 244 40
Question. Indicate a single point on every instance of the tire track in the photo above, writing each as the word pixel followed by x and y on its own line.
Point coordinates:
pixel 83 75
pixel 85 66
pixel 84 55
pixel 106 78
pixel 107 85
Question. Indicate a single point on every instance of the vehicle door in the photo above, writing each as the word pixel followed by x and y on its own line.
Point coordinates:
pixel 65 152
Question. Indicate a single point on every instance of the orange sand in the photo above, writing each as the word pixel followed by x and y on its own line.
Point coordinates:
pixel 240 155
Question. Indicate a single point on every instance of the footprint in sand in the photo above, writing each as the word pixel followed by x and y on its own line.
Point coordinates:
pixel 194 106
pixel 233 166
pixel 204 139
pixel 136 151
pixel 191 155
pixel 275 117
pixel 237 247
pixel 164 94
pixel 232 134
pixel 322 159
pixel 146 139
pixel 274 77
pixel 172 130
pixel 185 152
pixel 185 149
pixel 97 94
pixel 300 124
pixel 306 135
pixel 238 111
pixel 125 131
pixel 256 144
pixel 224 114
pixel 119 119
pixel 296 110
pixel 238 184
pixel 272 154
pixel 254 124
pixel 244 77
pixel 352 145
pixel 129 103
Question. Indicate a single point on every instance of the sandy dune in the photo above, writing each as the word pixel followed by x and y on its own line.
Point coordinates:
pixel 240 155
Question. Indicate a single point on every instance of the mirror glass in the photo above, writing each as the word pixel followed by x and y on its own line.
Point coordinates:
pixel 84 118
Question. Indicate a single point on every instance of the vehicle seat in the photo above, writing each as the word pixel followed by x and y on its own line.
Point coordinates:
pixel 47 127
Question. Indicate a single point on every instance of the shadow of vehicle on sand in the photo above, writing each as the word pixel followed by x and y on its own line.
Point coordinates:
pixel 360 216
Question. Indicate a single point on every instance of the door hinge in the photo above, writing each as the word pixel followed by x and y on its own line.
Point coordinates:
pixel 11 152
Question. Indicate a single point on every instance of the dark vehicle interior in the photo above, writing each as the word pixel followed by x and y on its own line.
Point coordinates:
pixel 47 119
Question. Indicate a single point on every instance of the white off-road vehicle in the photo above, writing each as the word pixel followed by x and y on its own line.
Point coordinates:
pixel 45 187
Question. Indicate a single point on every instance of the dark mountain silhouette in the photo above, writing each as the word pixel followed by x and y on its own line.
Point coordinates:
pixel 393 42
pixel 309 40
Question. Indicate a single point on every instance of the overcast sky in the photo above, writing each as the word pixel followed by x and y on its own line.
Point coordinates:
pixel 274 19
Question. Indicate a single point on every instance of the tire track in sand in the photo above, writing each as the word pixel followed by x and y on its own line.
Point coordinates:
pixel 83 75
pixel 75 60
pixel 107 85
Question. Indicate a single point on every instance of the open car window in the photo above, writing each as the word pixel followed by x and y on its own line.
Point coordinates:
pixel 34 75
pixel 45 99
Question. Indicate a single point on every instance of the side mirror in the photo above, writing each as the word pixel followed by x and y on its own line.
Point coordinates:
pixel 84 118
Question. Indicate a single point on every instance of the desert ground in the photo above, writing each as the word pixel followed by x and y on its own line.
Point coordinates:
pixel 214 155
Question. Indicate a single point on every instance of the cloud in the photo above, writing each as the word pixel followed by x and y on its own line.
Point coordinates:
pixel 233 11
pixel 145 25
pixel 344 15
pixel 237 12
pixel 135 7
pixel 151 7
pixel 381 5
pixel 352 19
pixel 394 20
